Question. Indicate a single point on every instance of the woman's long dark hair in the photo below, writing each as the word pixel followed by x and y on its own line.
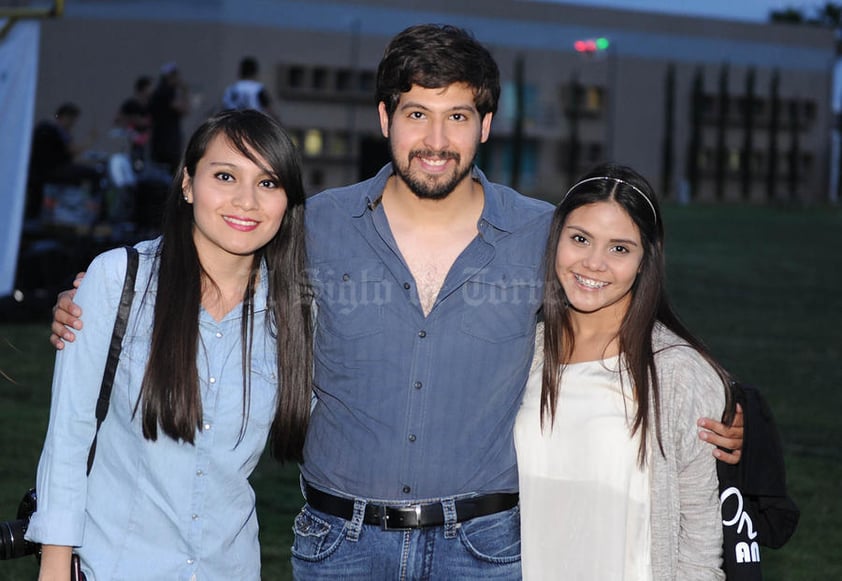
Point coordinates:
pixel 170 394
pixel 649 302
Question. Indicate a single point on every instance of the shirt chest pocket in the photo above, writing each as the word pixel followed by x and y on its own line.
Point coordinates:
pixel 264 391
pixel 351 297
pixel 500 303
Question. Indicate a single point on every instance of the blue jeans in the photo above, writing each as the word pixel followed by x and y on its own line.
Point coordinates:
pixel 330 547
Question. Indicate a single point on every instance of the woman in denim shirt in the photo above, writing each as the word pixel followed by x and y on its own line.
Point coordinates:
pixel 217 355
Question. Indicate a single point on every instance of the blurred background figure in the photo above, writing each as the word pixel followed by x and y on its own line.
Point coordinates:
pixel 134 118
pixel 169 103
pixel 54 155
pixel 247 92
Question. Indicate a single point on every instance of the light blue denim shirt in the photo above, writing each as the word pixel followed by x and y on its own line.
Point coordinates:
pixel 163 509
pixel 413 407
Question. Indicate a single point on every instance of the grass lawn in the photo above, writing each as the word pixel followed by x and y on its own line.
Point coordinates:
pixel 762 286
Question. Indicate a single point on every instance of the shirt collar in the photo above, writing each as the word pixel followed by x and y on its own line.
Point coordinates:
pixel 492 211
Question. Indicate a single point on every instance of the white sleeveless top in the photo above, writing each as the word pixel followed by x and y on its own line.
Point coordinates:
pixel 585 502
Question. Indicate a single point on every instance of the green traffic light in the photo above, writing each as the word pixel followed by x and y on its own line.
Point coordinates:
pixel 602 43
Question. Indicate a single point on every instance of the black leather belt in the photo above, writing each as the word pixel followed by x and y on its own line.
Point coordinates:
pixel 412 516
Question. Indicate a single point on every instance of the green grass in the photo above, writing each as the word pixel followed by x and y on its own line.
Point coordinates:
pixel 763 288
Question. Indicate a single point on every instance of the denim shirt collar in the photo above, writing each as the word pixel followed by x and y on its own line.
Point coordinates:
pixel 492 210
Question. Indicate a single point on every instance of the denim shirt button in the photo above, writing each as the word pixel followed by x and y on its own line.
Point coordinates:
pixel 406 489
pixel 422 334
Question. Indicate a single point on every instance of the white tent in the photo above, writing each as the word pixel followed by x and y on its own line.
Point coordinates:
pixel 18 76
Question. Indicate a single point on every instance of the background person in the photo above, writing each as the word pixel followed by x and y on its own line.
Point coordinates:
pixel 53 157
pixel 247 92
pixel 614 482
pixel 135 118
pixel 169 103
pixel 197 388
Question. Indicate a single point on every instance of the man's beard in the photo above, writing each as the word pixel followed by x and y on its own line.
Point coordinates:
pixel 428 188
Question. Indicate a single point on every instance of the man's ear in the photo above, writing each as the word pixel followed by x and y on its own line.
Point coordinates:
pixel 486 127
pixel 384 119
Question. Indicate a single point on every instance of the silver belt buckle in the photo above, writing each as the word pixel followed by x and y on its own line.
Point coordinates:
pixel 384 518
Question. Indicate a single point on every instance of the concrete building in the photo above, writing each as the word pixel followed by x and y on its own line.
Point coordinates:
pixel 707 109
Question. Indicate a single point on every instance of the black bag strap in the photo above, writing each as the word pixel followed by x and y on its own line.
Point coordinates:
pixel 115 347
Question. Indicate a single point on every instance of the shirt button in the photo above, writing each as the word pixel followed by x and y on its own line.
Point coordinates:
pixel 418 385
pixel 218 335
pixel 406 489
pixel 346 277
pixel 195 517
pixel 190 561
pixel 407 286
pixel 200 473
pixel 207 426
pixel 212 380
pixel 412 437
pixel 422 334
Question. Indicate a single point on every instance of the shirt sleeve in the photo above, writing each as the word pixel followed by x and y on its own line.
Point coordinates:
pixel 77 376
pixel 699 393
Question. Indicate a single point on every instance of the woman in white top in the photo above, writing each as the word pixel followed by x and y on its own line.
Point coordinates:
pixel 614 482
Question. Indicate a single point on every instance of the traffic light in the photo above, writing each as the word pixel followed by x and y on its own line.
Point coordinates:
pixel 592 45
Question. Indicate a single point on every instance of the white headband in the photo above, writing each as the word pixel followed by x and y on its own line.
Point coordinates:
pixel 616 180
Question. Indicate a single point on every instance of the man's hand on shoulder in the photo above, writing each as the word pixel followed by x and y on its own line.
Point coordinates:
pixel 728 440
pixel 66 316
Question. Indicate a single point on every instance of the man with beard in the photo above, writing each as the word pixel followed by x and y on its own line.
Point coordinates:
pixel 427 288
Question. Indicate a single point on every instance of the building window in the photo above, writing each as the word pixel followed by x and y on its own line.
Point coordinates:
pixel 807 160
pixel 313 142
pixel 809 111
pixel 706 159
pixel 709 106
pixel 339 144
pixel 344 80
pixel 320 77
pixel 317 178
pixel 758 161
pixel 367 82
pixel 295 77
pixel 594 99
pixel 509 102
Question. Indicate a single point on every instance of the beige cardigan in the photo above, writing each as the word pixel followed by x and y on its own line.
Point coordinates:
pixel 686 518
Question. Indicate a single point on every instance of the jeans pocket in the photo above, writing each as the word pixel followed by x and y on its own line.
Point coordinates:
pixel 494 538
pixel 316 536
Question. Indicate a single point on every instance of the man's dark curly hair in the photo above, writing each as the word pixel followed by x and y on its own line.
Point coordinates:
pixel 435 56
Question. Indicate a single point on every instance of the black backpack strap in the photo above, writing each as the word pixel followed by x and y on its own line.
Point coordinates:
pixel 115 347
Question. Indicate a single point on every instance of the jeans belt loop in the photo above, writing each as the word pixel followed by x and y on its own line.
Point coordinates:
pixel 448 506
pixel 356 522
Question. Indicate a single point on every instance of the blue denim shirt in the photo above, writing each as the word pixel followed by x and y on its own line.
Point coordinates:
pixel 413 407
pixel 162 509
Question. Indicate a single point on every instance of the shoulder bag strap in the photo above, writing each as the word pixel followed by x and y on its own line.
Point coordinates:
pixel 116 346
